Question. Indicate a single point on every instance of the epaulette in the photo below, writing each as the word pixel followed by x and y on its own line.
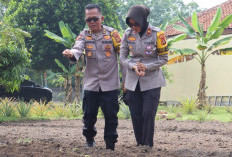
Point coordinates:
pixel 156 29
pixel 110 29
pixel 128 31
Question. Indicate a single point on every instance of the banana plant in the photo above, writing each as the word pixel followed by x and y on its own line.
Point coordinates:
pixel 170 42
pixel 204 48
pixel 65 78
pixel 68 40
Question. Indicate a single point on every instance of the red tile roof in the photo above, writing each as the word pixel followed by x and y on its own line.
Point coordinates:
pixel 205 17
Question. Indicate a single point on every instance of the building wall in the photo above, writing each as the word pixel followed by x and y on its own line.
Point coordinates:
pixel 186 75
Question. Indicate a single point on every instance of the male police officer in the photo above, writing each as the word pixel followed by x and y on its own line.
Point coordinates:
pixel 101 80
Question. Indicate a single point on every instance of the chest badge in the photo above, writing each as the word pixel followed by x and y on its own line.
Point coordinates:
pixel 132 38
pixel 89 54
pixel 89 46
pixel 107 47
pixel 88 38
pixel 149 50
pixel 108 54
pixel 149 31
pixel 107 37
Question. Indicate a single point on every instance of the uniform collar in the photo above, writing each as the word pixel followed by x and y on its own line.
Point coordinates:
pixel 103 31
pixel 148 31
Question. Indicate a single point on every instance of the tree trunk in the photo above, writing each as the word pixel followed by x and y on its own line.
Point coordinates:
pixel 201 93
pixel 77 87
pixel 69 91
pixel 78 79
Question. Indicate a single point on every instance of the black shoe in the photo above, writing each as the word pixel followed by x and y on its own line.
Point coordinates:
pixel 110 145
pixel 90 142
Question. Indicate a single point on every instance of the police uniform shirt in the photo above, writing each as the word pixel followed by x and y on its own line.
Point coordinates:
pixel 151 50
pixel 101 58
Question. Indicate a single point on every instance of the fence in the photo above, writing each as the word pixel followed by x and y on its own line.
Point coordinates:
pixel 220 100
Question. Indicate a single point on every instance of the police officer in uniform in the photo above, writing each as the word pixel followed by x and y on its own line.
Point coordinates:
pixel 146 45
pixel 101 45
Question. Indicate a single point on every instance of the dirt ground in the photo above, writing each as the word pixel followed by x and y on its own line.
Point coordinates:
pixel 64 138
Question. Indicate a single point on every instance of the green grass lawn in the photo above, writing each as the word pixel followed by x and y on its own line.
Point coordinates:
pixel 218 114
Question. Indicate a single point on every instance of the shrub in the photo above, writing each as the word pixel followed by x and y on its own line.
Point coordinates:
pixel 189 105
pixel 203 115
pixel 7 107
pixel 23 108
pixel 40 108
pixel 74 109
pixel 172 108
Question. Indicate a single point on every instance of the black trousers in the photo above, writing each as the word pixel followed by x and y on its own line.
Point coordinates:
pixel 143 107
pixel 110 107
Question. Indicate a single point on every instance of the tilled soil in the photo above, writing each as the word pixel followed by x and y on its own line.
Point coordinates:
pixel 64 138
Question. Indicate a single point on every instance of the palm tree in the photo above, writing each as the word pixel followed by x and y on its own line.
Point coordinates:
pixel 205 49
pixel 68 40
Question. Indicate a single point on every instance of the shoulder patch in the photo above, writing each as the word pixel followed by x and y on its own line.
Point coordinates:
pixel 161 37
pixel 116 36
pixel 162 47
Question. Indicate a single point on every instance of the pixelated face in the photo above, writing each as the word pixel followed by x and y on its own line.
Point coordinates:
pixel 134 25
pixel 94 19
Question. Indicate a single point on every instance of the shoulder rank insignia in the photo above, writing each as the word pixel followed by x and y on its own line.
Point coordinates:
pixel 149 31
pixel 88 38
pixel 107 37
pixel 131 38
pixel 79 37
pixel 104 31
pixel 89 32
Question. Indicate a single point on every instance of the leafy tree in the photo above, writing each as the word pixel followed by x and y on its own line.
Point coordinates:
pixel 205 49
pixel 14 57
pixel 39 15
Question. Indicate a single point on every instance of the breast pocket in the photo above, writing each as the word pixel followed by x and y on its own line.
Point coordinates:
pixel 132 49
pixel 90 51
pixel 108 51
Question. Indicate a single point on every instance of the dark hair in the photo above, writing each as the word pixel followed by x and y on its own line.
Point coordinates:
pixel 92 6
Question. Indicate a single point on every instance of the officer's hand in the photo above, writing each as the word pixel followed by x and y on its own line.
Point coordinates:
pixel 141 66
pixel 123 88
pixel 67 53
pixel 136 70
pixel 142 73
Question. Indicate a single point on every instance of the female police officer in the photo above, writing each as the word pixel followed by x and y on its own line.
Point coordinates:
pixel 146 45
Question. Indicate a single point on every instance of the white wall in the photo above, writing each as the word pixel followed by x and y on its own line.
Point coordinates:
pixel 187 75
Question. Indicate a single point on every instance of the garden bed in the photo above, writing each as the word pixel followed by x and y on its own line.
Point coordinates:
pixel 64 138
